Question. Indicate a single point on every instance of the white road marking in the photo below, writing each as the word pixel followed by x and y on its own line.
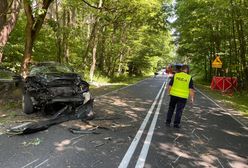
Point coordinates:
pixel 197 136
pixel 125 161
pixel 176 138
pixel 229 163
pixel 205 137
pixel 41 163
pixel 222 108
pixel 143 154
pixel 220 163
pixel 176 159
pixel 30 163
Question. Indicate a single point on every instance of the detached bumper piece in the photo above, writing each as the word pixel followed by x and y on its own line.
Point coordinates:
pixel 83 112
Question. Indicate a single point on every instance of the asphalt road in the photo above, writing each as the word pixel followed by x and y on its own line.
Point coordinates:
pixel 131 133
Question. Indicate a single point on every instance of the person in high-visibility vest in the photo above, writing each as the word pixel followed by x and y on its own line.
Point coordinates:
pixel 180 88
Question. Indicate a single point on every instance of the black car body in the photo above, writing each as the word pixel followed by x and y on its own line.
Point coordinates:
pixel 52 86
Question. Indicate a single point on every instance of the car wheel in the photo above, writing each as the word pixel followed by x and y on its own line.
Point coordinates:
pixel 27 104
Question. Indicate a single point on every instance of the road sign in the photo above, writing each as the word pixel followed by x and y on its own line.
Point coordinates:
pixel 217 63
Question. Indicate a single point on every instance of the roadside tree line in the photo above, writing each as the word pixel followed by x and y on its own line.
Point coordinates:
pixel 97 37
pixel 206 28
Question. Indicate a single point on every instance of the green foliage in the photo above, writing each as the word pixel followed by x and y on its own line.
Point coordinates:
pixel 13 51
pixel 206 28
pixel 129 33
pixel 45 46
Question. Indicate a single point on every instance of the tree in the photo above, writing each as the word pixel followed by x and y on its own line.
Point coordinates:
pixel 8 17
pixel 35 13
pixel 207 28
pixel 96 37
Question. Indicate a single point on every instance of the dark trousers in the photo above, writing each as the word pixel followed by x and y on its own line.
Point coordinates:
pixel 179 103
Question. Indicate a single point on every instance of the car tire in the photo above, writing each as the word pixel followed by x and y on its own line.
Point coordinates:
pixel 27 104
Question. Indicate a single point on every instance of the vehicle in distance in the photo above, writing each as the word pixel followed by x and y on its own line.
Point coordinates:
pixel 174 68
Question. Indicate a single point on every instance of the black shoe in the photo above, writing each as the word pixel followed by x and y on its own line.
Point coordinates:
pixel 177 126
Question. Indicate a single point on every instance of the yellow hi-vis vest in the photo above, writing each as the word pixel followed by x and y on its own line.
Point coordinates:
pixel 180 86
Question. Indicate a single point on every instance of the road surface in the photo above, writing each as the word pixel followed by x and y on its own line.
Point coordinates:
pixel 132 133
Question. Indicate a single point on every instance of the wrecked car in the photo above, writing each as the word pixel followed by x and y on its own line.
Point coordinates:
pixel 51 86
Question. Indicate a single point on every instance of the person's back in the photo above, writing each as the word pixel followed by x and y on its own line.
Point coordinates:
pixel 180 87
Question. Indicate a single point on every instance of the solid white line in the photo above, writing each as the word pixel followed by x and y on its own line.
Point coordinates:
pixel 125 161
pixel 41 163
pixel 220 163
pixel 143 154
pixel 30 163
pixel 222 108
pixel 176 159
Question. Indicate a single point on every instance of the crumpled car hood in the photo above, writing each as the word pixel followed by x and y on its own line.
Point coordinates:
pixel 53 78
pixel 56 87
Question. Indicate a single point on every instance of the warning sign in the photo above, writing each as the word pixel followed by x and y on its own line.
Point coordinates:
pixel 217 63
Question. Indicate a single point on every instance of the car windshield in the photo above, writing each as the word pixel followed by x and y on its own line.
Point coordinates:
pixel 43 69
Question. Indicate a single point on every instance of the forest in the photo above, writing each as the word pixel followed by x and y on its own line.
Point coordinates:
pixel 207 28
pixel 97 37
pixel 114 38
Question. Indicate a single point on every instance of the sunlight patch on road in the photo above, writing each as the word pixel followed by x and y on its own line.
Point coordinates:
pixel 132 114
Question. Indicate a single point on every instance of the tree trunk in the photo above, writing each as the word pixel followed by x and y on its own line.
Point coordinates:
pixel 66 24
pixel 242 42
pixel 33 27
pixel 3 12
pixel 121 55
pixel 94 38
pixel 93 64
pixel 8 25
pixel 95 42
pixel 205 69
pixel 90 38
pixel 102 50
pixel 58 33
pixel 234 39
pixel 28 50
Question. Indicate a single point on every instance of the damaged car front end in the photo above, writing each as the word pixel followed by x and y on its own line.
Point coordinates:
pixel 50 87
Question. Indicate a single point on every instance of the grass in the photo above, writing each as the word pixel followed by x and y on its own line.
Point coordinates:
pixel 238 101
pixel 108 85
pixel 8 110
